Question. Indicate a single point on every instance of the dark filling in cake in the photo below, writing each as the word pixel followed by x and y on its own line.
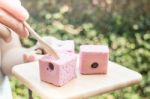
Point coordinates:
pixel 94 65
pixel 51 66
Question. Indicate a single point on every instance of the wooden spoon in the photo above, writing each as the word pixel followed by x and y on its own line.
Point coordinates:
pixel 44 44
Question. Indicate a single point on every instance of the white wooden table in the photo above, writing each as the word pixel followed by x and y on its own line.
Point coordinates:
pixel 82 87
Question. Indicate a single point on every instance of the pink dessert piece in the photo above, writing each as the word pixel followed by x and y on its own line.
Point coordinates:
pixel 67 45
pixel 58 72
pixel 60 45
pixel 93 59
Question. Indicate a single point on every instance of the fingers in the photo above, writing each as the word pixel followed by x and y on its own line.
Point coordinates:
pixel 12 23
pixel 28 57
pixel 31 56
pixel 5 33
pixel 15 9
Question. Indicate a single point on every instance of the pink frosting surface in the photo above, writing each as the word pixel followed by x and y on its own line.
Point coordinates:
pixel 94 48
pixel 60 45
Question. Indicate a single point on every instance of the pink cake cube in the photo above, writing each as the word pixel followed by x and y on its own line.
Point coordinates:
pixel 60 45
pixel 93 59
pixel 58 72
pixel 67 45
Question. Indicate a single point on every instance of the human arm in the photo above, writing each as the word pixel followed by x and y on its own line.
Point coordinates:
pixel 12 14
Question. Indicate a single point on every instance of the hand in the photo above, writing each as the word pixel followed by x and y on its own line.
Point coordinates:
pixel 60 46
pixel 12 14
pixel 36 52
pixel 33 55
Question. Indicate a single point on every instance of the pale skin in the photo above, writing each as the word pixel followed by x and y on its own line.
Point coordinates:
pixel 11 51
pixel 10 28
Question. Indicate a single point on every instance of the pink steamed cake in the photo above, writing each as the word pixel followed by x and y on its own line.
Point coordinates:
pixel 58 72
pixel 93 59
pixel 60 45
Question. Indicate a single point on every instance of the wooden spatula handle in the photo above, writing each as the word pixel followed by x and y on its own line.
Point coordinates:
pixel 44 44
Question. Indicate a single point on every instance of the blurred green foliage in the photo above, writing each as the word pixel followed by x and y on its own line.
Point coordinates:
pixel 122 24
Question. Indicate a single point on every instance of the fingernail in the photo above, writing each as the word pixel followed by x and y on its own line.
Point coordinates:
pixel 24 33
pixel 27 32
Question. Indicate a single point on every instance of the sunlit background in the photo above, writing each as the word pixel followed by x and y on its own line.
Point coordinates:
pixel 122 24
